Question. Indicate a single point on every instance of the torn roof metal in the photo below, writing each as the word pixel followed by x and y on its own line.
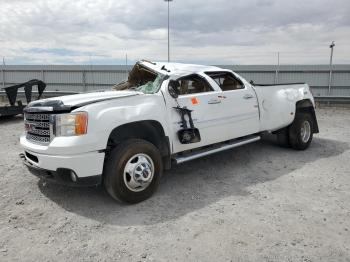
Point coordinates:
pixel 166 68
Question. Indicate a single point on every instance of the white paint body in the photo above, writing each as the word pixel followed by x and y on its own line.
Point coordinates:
pixel 270 108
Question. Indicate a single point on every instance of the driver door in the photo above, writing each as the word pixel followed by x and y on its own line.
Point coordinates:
pixel 196 94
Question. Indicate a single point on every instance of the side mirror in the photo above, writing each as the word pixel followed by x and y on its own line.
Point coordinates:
pixel 173 88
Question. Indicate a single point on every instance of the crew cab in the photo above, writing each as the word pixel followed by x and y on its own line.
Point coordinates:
pixel 164 114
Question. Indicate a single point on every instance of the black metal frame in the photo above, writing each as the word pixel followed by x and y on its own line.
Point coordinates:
pixel 187 134
pixel 12 91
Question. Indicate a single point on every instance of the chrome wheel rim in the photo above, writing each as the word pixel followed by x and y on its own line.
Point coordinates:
pixel 305 131
pixel 138 172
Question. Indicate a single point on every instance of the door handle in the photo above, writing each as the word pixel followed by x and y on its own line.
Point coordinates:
pixel 248 96
pixel 214 101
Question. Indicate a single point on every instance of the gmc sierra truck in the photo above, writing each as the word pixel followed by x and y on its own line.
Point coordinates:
pixel 164 114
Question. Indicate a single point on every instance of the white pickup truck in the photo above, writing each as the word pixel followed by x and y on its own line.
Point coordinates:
pixel 165 113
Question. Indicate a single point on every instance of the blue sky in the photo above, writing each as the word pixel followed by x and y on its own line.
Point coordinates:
pixel 202 31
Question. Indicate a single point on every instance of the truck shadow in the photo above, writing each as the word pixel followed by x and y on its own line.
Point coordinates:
pixel 11 119
pixel 197 184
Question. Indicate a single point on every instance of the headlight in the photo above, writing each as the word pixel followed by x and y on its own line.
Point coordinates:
pixel 73 124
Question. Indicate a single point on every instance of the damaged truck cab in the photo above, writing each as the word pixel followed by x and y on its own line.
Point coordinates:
pixel 165 113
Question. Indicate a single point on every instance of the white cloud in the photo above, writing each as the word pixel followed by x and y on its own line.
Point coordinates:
pixel 212 32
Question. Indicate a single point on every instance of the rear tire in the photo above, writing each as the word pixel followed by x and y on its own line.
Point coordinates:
pixel 133 171
pixel 300 131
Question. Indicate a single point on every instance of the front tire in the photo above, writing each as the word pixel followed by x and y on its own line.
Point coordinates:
pixel 300 131
pixel 133 171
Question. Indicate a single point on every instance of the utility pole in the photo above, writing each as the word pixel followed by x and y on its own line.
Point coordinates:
pixel 126 65
pixel 168 28
pixel 92 74
pixel 3 72
pixel 278 68
pixel 330 68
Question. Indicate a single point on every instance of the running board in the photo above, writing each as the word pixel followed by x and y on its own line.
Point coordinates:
pixel 206 152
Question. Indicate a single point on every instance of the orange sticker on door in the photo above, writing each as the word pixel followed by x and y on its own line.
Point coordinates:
pixel 194 100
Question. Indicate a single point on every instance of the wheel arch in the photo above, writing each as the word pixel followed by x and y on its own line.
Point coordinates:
pixel 306 106
pixel 149 130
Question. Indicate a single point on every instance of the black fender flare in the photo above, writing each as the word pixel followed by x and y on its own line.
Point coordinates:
pixel 306 106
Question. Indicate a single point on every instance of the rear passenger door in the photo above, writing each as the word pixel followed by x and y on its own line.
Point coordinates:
pixel 239 105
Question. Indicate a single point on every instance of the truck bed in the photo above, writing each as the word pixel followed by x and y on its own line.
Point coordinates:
pixel 277 103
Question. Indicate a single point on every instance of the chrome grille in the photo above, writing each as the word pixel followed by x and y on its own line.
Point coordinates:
pixel 37 127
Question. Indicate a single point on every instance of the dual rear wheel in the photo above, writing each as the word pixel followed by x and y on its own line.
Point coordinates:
pixel 299 134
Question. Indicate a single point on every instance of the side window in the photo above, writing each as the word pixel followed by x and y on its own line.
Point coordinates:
pixel 193 84
pixel 226 80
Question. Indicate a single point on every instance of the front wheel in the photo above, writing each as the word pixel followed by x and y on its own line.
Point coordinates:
pixel 300 131
pixel 133 171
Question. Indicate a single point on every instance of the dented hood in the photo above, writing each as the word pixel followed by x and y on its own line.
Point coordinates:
pixel 71 102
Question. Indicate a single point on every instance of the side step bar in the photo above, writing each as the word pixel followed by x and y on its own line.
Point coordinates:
pixel 205 152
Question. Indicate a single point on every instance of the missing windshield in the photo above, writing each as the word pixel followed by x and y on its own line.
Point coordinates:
pixel 141 79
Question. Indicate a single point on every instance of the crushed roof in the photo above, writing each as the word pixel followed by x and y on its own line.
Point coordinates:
pixel 179 68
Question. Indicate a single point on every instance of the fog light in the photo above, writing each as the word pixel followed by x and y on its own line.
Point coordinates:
pixel 73 176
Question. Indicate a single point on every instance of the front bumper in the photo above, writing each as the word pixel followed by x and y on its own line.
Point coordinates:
pixel 73 170
pixel 61 176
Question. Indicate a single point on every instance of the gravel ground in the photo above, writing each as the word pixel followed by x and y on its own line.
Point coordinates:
pixel 259 202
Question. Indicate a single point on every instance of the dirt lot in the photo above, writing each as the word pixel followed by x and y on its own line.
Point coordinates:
pixel 259 202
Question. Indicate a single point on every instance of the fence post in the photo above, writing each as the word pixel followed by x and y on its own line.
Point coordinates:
pixel 84 80
pixel 3 77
